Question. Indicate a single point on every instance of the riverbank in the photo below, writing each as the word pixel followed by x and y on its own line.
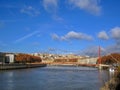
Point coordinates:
pixel 70 64
pixel 113 84
pixel 20 66
pixel 33 65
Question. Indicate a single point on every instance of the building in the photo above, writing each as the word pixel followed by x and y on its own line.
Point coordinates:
pixel 2 58
pixel 88 60
pixel 9 58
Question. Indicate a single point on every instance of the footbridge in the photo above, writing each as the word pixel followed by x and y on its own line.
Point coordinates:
pixel 101 66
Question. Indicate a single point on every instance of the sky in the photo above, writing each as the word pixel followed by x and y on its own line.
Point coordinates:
pixel 60 26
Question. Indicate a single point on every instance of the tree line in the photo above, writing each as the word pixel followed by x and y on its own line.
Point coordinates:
pixel 110 59
pixel 26 58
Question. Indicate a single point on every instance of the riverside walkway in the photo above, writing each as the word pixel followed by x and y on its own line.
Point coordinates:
pixel 99 66
pixel 70 64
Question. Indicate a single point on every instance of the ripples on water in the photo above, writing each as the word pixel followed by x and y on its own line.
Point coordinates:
pixel 53 78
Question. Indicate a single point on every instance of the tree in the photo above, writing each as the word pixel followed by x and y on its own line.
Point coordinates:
pixel 26 58
pixel 111 58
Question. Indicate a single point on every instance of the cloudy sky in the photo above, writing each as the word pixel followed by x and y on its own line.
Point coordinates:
pixel 59 26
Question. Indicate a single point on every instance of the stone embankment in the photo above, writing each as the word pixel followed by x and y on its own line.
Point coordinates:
pixel 20 66
pixel 71 64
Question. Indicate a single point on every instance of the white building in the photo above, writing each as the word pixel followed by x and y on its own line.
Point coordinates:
pixel 9 58
pixel 88 60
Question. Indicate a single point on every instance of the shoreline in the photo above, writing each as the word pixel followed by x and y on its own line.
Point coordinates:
pixel 113 83
pixel 20 66
pixel 35 65
pixel 71 64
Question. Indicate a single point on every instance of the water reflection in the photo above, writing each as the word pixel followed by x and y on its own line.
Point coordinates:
pixel 10 80
pixel 103 76
pixel 111 74
pixel 53 78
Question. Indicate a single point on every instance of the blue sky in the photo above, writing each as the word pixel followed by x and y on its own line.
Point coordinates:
pixel 59 26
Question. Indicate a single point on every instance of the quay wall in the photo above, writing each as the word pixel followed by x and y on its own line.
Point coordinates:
pixel 71 64
pixel 19 66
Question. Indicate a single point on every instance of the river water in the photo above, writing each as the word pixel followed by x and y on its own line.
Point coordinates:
pixel 53 78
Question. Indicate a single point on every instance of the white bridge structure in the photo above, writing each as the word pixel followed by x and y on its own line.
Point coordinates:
pixel 101 66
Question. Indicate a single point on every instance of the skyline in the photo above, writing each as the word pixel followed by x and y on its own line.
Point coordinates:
pixel 60 26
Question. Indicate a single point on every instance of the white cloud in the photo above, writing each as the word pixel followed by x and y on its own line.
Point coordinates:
pixel 113 48
pixel 72 35
pixel 91 6
pixel 50 5
pixel 77 35
pixel 116 32
pixel 29 10
pixel 55 37
pixel 103 35
pixel 115 35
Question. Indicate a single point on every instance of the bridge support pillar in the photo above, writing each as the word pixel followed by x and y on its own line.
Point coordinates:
pixel 102 66
pixel 99 66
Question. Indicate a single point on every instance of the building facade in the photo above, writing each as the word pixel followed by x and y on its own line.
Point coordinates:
pixel 9 58
pixel 2 58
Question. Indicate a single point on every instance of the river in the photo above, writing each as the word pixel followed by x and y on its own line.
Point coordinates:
pixel 53 78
